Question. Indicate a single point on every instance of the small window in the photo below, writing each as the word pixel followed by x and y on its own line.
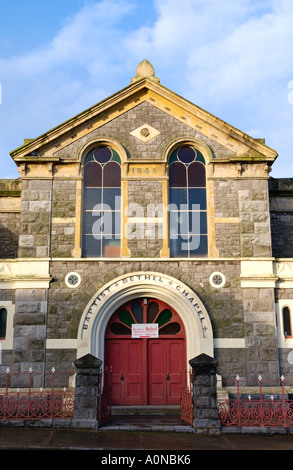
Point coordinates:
pixel 3 322
pixel 287 322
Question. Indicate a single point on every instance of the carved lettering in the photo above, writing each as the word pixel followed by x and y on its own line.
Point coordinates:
pixel 144 277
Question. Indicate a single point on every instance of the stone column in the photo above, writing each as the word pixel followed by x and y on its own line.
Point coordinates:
pixel 86 392
pixel 206 419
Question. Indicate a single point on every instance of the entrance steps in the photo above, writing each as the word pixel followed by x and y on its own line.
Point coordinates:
pixel 155 410
pixel 146 418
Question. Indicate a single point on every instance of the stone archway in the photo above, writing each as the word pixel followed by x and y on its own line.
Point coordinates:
pixel 93 324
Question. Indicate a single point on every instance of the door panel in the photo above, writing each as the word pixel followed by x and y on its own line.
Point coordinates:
pixel 114 359
pixel 156 372
pixel 127 359
pixel 134 366
pixel 146 371
pixel 166 363
pixel 175 368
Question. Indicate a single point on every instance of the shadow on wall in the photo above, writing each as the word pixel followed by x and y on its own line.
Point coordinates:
pixel 8 243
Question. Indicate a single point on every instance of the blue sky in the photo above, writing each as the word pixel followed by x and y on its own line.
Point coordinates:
pixel 234 58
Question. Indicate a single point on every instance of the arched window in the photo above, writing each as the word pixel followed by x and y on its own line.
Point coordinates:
pixel 3 322
pixel 102 203
pixel 287 322
pixel 187 203
pixel 145 311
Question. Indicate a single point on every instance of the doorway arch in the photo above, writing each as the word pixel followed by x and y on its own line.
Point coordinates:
pixel 145 284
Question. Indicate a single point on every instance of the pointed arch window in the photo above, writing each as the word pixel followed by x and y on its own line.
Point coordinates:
pixel 102 203
pixel 187 203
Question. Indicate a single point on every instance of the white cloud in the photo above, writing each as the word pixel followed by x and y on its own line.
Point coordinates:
pixel 233 58
pixel 52 83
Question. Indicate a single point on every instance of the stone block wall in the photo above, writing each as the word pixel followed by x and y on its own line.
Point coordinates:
pixel 234 312
pixel 260 333
pixel 30 331
pixel 281 205
pixel 34 239
pixel 244 204
pixel 145 238
pixel 255 231
pixel 10 191
pixel 120 128
pixel 9 233
pixel 63 218
pixel 282 234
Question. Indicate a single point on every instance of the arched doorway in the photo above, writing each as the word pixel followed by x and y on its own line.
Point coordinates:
pixel 145 346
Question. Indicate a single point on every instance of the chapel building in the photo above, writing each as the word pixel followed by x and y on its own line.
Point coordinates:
pixel 145 231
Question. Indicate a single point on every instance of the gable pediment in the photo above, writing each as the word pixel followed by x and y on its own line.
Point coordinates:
pixel 225 141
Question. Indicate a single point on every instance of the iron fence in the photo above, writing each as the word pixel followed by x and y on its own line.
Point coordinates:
pixel 105 396
pixel 186 399
pixel 261 410
pixel 30 403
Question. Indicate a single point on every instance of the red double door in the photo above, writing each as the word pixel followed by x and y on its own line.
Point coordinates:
pixel 146 371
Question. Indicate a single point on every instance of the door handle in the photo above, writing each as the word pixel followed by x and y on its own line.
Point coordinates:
pixel 122 377
pixel 168 376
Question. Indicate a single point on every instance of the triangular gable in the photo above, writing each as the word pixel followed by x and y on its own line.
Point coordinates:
pixel 242 146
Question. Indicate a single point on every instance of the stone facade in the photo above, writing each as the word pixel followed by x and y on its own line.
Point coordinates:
pixel 249 238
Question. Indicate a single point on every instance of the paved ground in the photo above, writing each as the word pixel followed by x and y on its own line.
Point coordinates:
pixel 131 442
pixel 68 439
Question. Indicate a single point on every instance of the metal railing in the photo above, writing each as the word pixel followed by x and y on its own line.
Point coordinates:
pixel 105 396
pixel 261 410
pixel 30 403
pixel 186 399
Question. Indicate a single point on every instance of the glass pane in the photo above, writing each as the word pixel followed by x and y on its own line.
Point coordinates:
pixel 137 311
pixel 92 175
pixel 112 175
pixel 196 175
pixel 200 158
pixel 178 222
pixel 171 329
pixel 164 317
pixel 178 197
pixel 115 157
pixel 179 247
pixel 3 321
pixel 105 224
pixel 119 329
pixel 197 197
pixel 198 222
pixel 152 311
pixel 186 154
pixel 198 245
pixel 89 157
pixel 91 197
pixel 91 247
pixel 92 223
pixel 173 157
pixel 112 198
pixel 116 224
pixel 177 175
pixel 110 248
pixel 103 154
pixel 287 322
pixel 125 317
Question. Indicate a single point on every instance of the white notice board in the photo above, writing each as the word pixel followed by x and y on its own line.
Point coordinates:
pixel 145 330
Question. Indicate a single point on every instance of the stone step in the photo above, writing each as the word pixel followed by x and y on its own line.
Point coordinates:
pixel 146 410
